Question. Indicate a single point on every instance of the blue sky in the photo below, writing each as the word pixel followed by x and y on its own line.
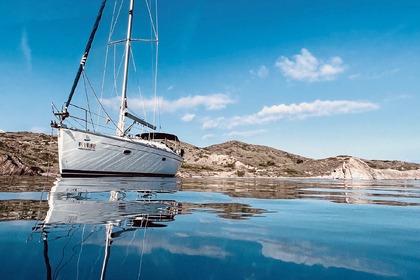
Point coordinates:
pixel 315 78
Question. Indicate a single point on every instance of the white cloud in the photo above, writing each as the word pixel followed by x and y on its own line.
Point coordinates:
pixel 214 101
pixel 26 50
pixel 317 108
pixel 375 75
pixel 306 67
pixel 263 71
pixel 213 123
pixel 188 117
pixel 293 111
pixel 244 133
pixel 208 136
pixel 355 76
pixel 312 254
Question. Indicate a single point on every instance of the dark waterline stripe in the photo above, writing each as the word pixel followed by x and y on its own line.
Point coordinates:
pixel 66 173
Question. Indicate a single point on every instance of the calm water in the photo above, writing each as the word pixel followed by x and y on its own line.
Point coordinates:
pixel 148 228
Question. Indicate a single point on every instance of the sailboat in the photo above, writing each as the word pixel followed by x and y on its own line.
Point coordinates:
pixel 86 152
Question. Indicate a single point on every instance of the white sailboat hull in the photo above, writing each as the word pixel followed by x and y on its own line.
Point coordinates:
pixel 83 153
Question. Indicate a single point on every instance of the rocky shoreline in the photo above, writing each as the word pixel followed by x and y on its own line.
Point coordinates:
pixel 26 153
pixel 34 154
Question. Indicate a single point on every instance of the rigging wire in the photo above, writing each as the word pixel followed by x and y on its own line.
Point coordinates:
pixel 157 109
pixel 117 66
pixel 100 103
pixel 110 43
pixel 143 247
pixel 152 24
pixel 128 246
pixel 154 33
pixel 113 23
pixel 100 250
pixel 73 249
pixel 87 100
pixel 60 266
pixel 154 62
pixel 114 19
pixel 76 120
pixel 154 30
pixel 80 252
pixel 138 84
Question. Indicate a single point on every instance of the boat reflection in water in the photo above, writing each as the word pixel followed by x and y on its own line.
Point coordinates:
pixel 101 210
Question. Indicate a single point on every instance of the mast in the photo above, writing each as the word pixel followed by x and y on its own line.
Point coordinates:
pixel 108 242
pixel 46 257
pixel 121 122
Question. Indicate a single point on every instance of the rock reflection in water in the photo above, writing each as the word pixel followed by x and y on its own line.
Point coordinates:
pixel 235 211
pixel 392 193
pixel 26 184
pixel 11 210
pixel 24 198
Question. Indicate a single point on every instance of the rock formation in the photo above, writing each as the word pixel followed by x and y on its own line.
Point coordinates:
pixel 12 165
pixel 357 169
pixel 25 153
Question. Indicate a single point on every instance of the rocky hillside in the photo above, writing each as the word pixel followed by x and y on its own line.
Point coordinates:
pixel 26 153
pixel 23 153
pixel 237 159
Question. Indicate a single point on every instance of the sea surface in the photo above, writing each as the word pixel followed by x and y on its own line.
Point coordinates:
pixel 153 228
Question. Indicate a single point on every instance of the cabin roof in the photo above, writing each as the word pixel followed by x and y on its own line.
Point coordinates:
pixel 158 136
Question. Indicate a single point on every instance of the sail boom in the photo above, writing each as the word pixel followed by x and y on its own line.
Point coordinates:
pixel 140 121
